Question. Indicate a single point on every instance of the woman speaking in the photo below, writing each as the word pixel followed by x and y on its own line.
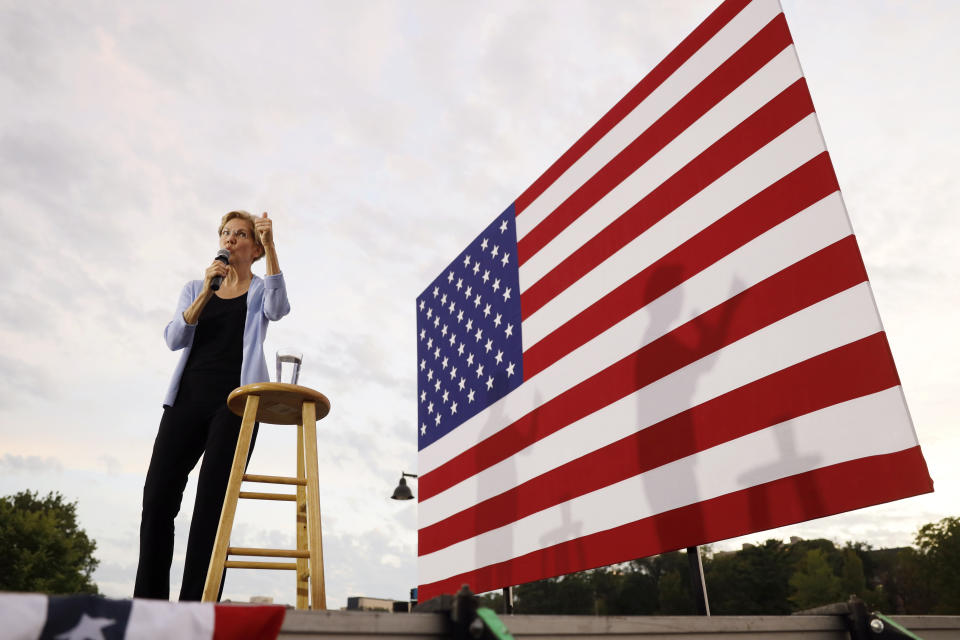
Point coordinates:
pixel 220 324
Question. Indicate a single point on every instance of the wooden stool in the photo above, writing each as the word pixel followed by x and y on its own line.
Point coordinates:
pixel 276 403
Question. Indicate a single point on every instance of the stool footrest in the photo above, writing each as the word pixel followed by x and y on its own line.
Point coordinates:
pixel 246 564
pixel 254 495
pixel 249 477
pixel 270 553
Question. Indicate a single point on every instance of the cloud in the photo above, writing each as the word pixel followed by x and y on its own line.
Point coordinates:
pixel 13 464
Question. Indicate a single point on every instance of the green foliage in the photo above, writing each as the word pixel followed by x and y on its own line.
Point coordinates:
pixel 754 581
pixel 938 557
pixel 814 583
pixel 44 550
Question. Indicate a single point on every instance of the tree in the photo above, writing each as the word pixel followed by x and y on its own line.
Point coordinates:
pixel 814 583
pixel 754 581
pixel 43 549
pixel 938 548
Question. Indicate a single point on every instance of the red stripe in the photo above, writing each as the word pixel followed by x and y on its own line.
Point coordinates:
pixel 759 50
pixel 852 371
pixel 702 34
pixel 816 277
pixel 243 622
pixel 771 120
pixel 789 195
pixel 814 494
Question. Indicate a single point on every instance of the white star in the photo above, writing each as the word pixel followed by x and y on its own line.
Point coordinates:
pixel 429 313
pixel 443 331
pixel 509 330
pixel 436 353
pixel 469 325
pixel 423 364
pixel 423 333
pixel 486 311
pixel 445 362
pixel 436 321
pixel 463 383
pixel 505 259
pixel 460 350
pixel 429 344
pixel 470 360
pixel 453 339
pixel 470 396
pixel 453 372
pixel 459 283
pixel 486 275
pixel 489 383
pixel 479 370
pixel 436 418
pixel 503 226
pixel 499 357
pixel 423 396
pixel 430 375
pixel 488 346
pixel 460 315
pixel 496 284
pixel 453 408
pixel 422 305
pixel 430 408
pixel 436 291
pixel 466 261
pixel 443 299
pixel 476 301
pixel 497 320
pixel 506 294
pixel 468 291
pixel 476 267
pixel 479 334
pixel 423 428
pixel 496 250
pixel 87 628
pixel 510 369
pixel 446 396
pixel 450 277
pixel 483 244
pixel 453 306
pixel 436 385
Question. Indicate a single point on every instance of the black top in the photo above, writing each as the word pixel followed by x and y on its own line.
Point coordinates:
pixel 218 340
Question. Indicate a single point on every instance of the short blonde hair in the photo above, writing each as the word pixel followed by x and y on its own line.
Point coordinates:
pixel 246 216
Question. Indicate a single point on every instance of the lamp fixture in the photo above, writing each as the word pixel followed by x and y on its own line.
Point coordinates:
pixel 403 492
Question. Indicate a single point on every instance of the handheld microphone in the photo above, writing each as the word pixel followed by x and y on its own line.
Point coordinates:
pixel 223 256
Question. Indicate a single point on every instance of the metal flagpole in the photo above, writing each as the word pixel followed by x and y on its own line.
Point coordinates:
pixel 698 586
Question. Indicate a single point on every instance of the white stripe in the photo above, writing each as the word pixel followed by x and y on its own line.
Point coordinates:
pixel 725 43
pixel 805 233
pixel 831 323
pixel 775 160
pixel 867 426
pixel 159 620
pixel 23 615
pixel 778 74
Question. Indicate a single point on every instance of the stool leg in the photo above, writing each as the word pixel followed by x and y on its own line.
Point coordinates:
pixel 219 556
pixel 303 572
pixel 318 595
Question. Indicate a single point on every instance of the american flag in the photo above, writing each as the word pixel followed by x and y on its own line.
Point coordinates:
pixel 668 339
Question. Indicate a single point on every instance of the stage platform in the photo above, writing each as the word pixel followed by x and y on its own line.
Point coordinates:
pixel 360 625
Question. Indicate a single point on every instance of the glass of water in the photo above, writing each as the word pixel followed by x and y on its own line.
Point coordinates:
pixel 288 365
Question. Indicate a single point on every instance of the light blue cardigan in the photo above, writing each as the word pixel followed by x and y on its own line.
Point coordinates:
pixel 266 300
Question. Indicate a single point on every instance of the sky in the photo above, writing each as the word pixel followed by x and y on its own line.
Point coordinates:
pixel 381 137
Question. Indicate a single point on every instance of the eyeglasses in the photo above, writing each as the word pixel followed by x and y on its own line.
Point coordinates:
pixel 239 234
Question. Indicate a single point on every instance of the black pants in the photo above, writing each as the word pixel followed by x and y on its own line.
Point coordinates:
pixel 198 423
